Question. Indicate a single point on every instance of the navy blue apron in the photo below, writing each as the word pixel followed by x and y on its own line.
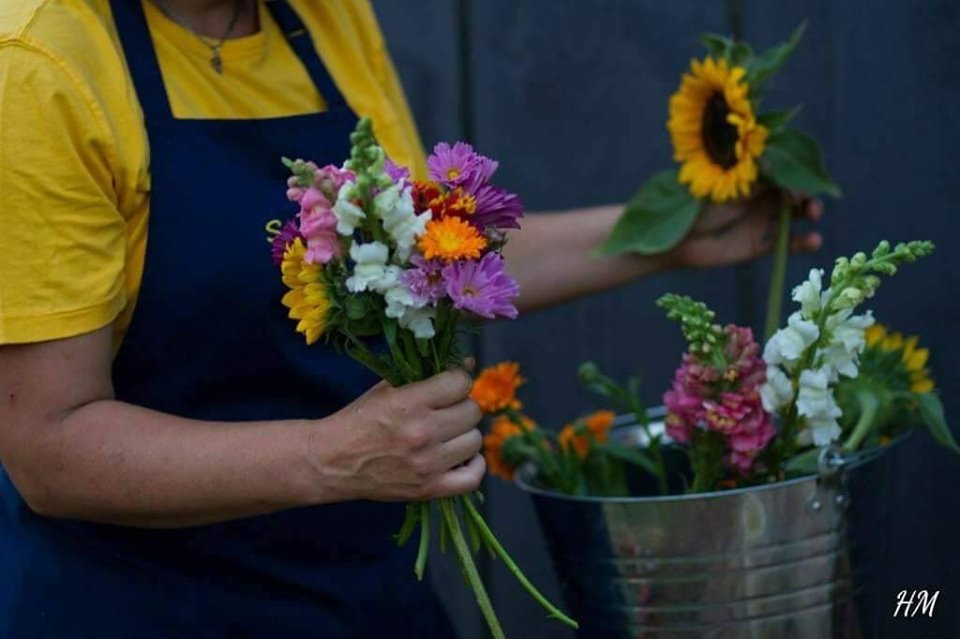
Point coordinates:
pixel 210 340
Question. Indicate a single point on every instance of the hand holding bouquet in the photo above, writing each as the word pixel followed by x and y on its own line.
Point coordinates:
pixel 384 267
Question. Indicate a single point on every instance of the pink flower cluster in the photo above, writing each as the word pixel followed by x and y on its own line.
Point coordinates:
pixel 317 222
pixel 726 401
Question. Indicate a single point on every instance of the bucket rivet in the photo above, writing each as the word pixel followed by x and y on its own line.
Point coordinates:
pixel 815 504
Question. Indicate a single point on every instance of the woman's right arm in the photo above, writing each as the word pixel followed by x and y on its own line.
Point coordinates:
pixel 73 451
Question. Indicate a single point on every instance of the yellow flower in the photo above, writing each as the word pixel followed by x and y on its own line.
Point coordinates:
pixel 495 388
pixel 912 360
pixel 451 238
pixel 715 135
pixel 503 429
pixel 307 298
pixel 592 428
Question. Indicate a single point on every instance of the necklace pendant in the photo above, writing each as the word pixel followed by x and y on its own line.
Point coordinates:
pixel 217 63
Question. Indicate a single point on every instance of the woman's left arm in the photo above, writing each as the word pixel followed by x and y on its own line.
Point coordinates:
pixel 552 255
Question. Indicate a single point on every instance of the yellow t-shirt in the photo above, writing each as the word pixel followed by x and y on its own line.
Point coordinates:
pixel 74 156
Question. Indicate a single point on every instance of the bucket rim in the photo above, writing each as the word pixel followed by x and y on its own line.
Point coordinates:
pixel 852 460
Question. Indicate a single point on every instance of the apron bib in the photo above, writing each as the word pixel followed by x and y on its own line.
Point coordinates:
pixel 210 340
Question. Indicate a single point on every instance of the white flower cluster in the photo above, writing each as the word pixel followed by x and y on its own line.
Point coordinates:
pixel 375 269
pixel 838 341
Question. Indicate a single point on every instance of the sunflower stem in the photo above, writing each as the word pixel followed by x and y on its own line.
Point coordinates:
pixel 449 514
pixel 869 406
pixel 779 275
pixel 508 561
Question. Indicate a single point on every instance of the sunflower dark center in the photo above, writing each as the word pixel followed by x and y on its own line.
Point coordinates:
pixel 719 136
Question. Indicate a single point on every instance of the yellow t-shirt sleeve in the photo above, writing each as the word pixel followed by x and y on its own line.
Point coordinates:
pixel 63 237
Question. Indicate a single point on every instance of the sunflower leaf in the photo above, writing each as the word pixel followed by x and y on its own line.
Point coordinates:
pixel 719 46
pixel 765 64
pixel 741 55
pixel 931 411
pixel 775 120
pixel 655 220
pixel 794 162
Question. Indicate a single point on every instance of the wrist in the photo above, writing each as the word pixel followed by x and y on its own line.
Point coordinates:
pixel 321 446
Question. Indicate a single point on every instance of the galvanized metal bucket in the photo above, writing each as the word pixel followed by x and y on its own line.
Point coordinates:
pixel 799 559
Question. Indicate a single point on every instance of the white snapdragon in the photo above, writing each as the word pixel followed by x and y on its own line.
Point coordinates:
pixel 420 321
pixel 788 345
pixel 809 294
pixel 348 214
pixel 394 207
pixel 816 404
pixel 777 391
pixel 846 341
pixel 370 271
pixel 409 311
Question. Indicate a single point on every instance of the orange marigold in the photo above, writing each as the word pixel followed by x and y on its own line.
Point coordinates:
pixel 495 388
pixel 503 429
pixel 450 238
pixel 595 427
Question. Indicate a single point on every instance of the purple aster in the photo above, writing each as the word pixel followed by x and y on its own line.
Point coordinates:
pixel 497 208
pixel 395 171
pixel 459 165
pixel 481 287
pixel 288 233
pixel 425 281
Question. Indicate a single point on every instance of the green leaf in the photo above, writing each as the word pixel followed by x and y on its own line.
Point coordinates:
pixel 655 220
pixel 742 54
pixel 769 62
pixel 794 162
pixel 775 120
pixel 931 411
pixel 719 46
pixel 805 463
pixel 630 455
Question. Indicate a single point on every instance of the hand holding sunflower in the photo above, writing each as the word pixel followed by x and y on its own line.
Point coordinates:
pixel 732 159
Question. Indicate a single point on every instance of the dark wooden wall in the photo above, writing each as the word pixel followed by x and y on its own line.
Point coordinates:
pixel 570 96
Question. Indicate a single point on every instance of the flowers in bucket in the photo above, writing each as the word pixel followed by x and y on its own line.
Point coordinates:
pixel 384 268
pixel 745 419
pixel 893 392
pixel 579 459
pixel 726 149
pixel 714 407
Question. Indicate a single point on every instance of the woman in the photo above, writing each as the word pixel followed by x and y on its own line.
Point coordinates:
pixel 176 462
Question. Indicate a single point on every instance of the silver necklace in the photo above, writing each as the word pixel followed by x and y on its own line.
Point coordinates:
pixel 216 61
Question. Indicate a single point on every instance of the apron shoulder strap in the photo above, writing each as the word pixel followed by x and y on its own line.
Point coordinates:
pixel 300 41
pixel 141 56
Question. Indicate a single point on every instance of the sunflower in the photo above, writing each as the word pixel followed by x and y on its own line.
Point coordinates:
pixel 898 357
pixel 495 388
pixel 307 299
pixel 495 450
pixel 449 239
pixel 580 435
pixel 714 132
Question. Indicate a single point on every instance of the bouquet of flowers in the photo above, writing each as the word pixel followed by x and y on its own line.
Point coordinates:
pixel 375 257
pixel 580 458
pixel 726 150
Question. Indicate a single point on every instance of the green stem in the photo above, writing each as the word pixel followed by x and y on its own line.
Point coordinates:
pixel 869 406
pixel 655 446
pixel 420 566
pixel 449 515
pixel 778 277
pixel 508 561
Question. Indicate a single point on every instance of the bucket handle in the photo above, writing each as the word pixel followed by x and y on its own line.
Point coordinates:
pixel 830 465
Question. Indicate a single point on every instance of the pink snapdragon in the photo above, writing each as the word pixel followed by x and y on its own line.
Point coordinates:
pixel 318 225
pixel 724 400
